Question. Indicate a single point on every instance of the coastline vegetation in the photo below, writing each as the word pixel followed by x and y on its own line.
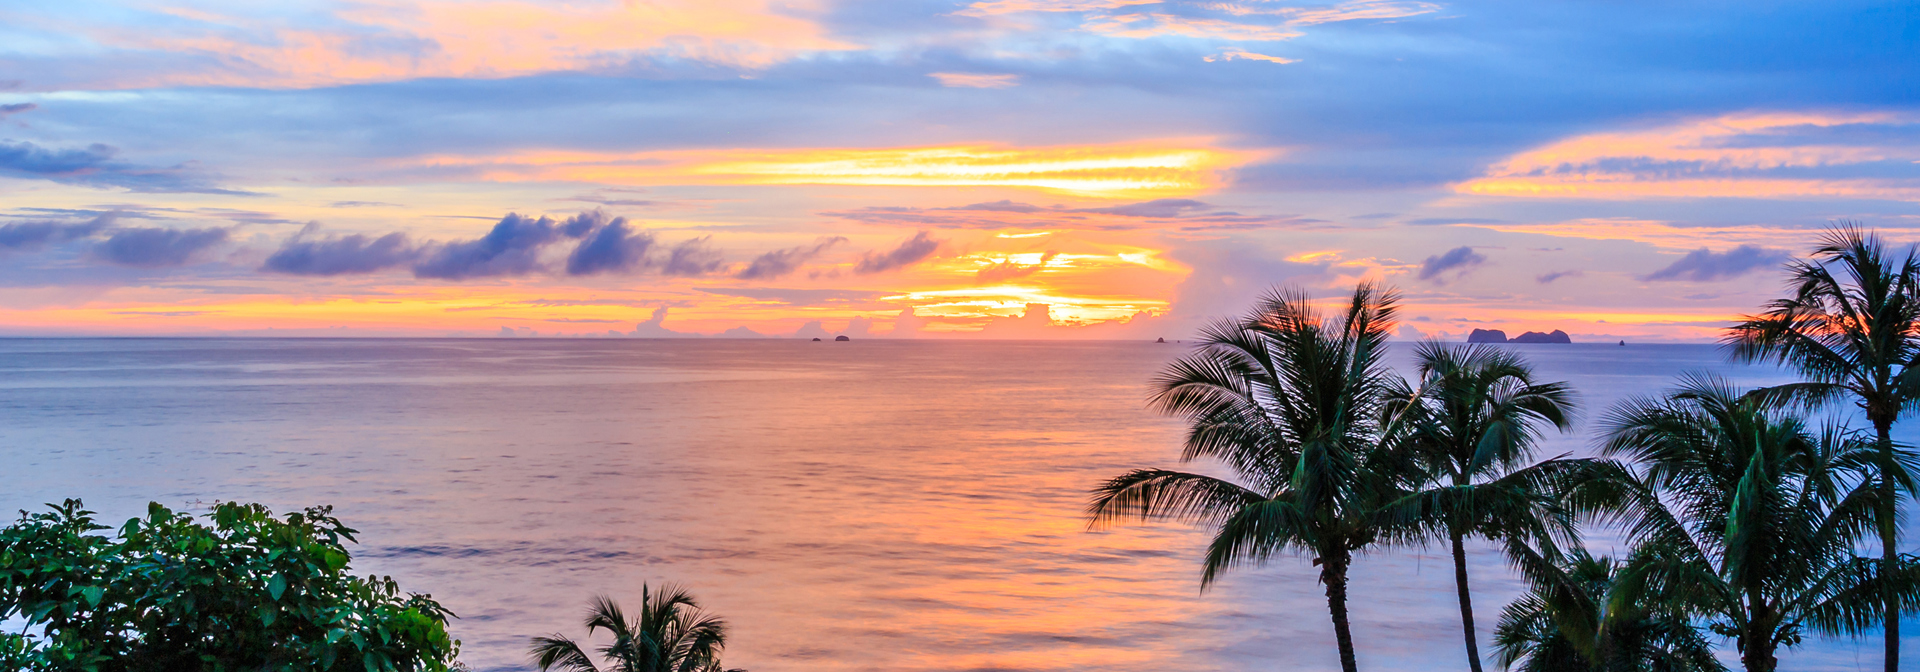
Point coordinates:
pixel 1744 519
pixel 243 591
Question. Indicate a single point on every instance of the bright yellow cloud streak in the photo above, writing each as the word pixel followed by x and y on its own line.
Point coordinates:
pixel 1109 171
pixel 1086 171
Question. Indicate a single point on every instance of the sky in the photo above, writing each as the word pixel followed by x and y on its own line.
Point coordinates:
pixel 921 168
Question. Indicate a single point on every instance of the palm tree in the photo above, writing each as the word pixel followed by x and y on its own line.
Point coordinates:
pixel 1290 401
pixel 1852 327
pixel 1563 623
pixel 1473 424
pixel 672 634
pixel 1747 517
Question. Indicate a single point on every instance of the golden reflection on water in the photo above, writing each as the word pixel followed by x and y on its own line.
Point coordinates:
pixel 873 505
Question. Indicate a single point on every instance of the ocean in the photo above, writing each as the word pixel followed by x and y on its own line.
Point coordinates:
pixel 897 506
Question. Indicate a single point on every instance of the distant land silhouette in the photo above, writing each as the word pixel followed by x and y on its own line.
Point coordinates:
pixel 1498 336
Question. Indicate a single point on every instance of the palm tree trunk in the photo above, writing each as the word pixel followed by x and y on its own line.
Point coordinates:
pixel 1889 542
pixel 1466 600
pixel 1333 573
pixel 1756 638
pixel 1758 656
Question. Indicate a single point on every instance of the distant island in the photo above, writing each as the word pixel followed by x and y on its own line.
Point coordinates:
pixel 1498 336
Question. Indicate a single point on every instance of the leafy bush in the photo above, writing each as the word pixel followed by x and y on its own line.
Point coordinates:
pixel 247 592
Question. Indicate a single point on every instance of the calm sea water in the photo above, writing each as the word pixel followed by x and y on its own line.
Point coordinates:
pixel 875 505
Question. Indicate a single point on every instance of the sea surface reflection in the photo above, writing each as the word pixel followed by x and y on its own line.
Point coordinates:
pixel 874 505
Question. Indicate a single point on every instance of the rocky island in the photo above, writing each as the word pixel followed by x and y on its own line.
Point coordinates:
pixel 1498 336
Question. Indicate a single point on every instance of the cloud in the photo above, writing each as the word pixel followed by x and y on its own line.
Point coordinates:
pixel 692 257
pixel 813 329
pixel 1548 278
pixel 1232 54
pixel 611 247
pixel 94 166
pixel 1443 221
pixel 1116 170
pixel 919 247
pixel 1008 270
pixel 511 248
pixel 1035 321
pixel 256 46
pixel 606 196
pixel 16 108
pixel 782 262
pixel 1461 259
pixel 1241 22
pixel 1166 213
pixel 995 7
pixel 969 80
pixel 1769 155
pixel 34 235
pixel 655 326
pixel 908 324
pixel 156 247
pixel 859 327
pixel 797 297
pixel 1704 265
pixel 340 255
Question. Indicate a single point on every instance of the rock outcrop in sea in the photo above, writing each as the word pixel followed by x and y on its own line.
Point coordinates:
pixel 1498 336
pixel 1557 336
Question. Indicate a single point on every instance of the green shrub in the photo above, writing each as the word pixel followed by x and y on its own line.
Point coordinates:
pixel 246 592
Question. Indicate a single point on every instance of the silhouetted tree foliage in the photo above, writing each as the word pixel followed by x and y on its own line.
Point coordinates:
pixel 243 591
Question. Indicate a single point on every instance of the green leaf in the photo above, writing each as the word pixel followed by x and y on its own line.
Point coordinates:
pixel 93 595
pixel 277 585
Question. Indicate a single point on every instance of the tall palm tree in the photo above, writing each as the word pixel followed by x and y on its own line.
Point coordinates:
pixel 1473 424
pixel 1290 401
pixel 672 634
pixel 1851 326
pixel 1746 516
pixel 1564 624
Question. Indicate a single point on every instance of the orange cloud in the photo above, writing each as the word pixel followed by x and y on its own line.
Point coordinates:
pixel 1741 155
pixel 1662 234
pixel 1111 171
pixel 387 40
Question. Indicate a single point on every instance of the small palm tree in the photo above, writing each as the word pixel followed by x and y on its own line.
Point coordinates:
pixel 1473 424
pixel 1851 326
pixel 1291 402
pixel 1746 517
pixel 672 634
pixel 1564 623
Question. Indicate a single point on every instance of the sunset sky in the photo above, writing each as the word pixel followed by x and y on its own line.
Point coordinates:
pixel 929 168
